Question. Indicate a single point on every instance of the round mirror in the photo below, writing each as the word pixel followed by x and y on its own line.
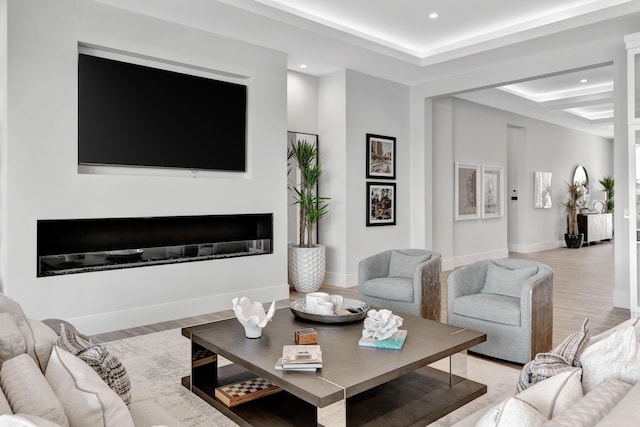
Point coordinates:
pixel 580 177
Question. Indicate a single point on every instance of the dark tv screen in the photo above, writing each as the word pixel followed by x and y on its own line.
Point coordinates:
pixel 133 115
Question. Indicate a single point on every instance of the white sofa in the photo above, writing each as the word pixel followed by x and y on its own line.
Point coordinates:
pixel 603 389
pixel 44 383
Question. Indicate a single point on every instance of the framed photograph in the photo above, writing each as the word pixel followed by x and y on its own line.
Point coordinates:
pixel 542 190
pixel 492 192
pixel 467 191
pixel 381 156
pixel 381 203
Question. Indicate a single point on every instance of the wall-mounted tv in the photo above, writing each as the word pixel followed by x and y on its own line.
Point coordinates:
pixel 134 115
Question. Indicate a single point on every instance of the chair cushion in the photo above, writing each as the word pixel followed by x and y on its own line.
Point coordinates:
pixel 504 281
pixel 489 307
pixel 390 288
pixel 403 265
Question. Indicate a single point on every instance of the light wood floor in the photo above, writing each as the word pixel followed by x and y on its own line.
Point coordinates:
pixel 583 281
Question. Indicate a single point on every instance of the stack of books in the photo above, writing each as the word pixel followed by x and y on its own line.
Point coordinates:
pixel 300 358
pixel 394 342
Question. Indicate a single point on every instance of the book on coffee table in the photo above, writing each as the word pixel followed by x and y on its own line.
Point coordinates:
pixel 278 367
pixel 301 356
pixel 394 342
pixel 245 391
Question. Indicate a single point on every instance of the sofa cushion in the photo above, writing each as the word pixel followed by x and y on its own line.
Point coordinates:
pixel 28 392
pixel 11 340
pixel 504 281
pixel 512 412
pixel 489 307
pixel 589 410
pixel 404 265
pixel 5 408
pixel 87 400
pixel 25 420
pixel 616 356
pixel 628 405
pixel 110 369
pixel 40 340
pixel 391 288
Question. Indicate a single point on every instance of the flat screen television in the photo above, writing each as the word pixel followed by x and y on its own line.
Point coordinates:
pixel 133 115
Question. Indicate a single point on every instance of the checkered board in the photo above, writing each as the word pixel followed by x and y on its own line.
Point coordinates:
pixel 244 391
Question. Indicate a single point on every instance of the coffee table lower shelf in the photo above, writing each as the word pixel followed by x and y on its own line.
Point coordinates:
pixel 415 399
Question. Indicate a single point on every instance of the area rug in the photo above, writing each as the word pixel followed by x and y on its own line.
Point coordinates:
pixel 156 363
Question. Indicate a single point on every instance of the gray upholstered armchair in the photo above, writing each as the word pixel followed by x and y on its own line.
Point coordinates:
pixel 511 300
pixel 403 281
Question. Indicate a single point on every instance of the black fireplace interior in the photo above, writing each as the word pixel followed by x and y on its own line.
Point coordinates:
pixel 82 245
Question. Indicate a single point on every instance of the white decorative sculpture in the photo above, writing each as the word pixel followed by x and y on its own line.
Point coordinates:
pixel 252 316
pixel 381 324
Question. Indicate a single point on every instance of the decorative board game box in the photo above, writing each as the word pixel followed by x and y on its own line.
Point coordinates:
pixel 245 391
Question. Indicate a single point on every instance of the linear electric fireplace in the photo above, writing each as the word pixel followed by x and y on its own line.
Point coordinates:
pixel 82 245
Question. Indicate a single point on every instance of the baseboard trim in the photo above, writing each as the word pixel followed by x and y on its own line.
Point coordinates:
pixel 535 247
pixel 459 261
pixel 340 280
pixel 621 299
pixel 139 316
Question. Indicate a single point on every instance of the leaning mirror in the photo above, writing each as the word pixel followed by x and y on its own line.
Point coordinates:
pixel 580 177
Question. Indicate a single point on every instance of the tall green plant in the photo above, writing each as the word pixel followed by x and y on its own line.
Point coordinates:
pixel 571 207
pixel 607 185
pixel 312 206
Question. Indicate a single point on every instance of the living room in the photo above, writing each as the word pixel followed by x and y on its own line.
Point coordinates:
pixel 40 87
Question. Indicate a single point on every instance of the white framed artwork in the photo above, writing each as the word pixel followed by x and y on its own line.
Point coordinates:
pixel 492 191
pixel 467 191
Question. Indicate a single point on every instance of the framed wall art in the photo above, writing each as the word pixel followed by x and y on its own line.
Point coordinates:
pixel 381 203
pixel 542 190
pixel 381 156
pixel 467 191
pixel 492 192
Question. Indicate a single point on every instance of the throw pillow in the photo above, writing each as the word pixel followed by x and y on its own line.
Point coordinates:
pixel 110 369
pixel 594 406
pixel 87 400
pixel 554 395
pixel 403 265
pixel 5 408
pixel 24 420
pixel 560 359
pixel 503 281
pixel 617 356
pixel 28 392
pixel 11 340
pixel 70 341
pixel 512 412
pixel 42 339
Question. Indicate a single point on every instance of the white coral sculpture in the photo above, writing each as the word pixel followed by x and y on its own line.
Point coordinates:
pixel 252 315
pixel 381 324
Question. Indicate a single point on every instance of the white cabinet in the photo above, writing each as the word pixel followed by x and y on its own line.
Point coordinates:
pixel 596 227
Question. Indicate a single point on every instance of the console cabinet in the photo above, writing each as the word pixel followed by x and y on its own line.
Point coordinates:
pixel 596 227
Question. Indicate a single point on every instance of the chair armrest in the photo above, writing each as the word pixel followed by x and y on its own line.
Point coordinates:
pixel 426 286
pixel 374 266
pixel 536 308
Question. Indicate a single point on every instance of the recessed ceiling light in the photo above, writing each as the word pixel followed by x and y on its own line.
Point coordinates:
pixel 583 80
pixel 303 65
pixel 433 15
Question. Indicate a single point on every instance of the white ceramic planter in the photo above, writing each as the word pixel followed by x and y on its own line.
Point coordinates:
pixel 306 267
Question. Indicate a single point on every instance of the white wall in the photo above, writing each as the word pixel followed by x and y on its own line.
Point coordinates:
pixel 480 135
pixel 40 178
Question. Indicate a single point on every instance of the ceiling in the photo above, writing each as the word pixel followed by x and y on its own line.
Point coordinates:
pixel 397 40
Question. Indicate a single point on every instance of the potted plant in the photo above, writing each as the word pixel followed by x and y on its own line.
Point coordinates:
pixel 573 238
pixel 307 258
pixel 607 185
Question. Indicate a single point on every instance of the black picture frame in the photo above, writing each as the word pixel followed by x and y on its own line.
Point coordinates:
pixel 381 156
pixel 381 203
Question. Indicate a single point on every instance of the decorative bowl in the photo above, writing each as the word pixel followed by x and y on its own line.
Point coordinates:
pixel 354 310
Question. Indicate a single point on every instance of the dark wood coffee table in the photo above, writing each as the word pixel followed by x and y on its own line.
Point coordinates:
pixel 382 387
